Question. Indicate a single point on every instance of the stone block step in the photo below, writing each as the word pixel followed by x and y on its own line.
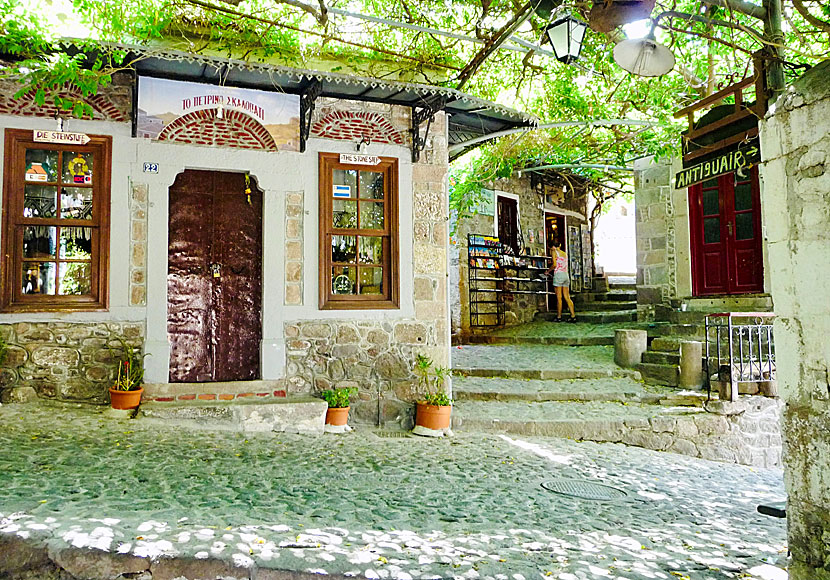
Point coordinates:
pixel 595 317
pixel 661 357
pixel 615 286
pixel 616 296
pixel 604 305
pixel 606 389
pixel 294 414
pixel 659 374
pixel 552 340
pixel 680 331
pixel 545 374
pixel 745 303
pixel 667 344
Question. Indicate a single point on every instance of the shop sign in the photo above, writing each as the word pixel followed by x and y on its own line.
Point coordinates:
pixel 62 137
pixel 736 160
pixel 354 159
pixel 163 102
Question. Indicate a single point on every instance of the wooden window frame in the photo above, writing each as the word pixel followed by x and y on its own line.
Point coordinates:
pixel 17 141
pixel 328 162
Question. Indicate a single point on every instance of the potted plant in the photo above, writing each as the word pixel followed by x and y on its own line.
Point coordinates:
pixel 338 400
pixel 434 406
pixel 126 392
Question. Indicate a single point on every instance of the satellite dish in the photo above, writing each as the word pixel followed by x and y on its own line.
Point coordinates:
pixel 644 57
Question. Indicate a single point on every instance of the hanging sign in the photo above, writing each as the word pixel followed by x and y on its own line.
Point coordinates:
pixel 342 191
pixel 354 159
pixel 60 137
pixel 735 160
pixel 166 106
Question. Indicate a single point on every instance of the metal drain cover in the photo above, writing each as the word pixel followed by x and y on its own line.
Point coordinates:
pixel 584 489
pixel 392 434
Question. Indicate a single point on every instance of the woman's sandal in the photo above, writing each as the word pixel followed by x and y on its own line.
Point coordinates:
pixel 572 319
pixel 558 319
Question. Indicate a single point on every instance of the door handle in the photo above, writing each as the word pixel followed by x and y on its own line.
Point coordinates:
pixel 729 228
pixel 216 270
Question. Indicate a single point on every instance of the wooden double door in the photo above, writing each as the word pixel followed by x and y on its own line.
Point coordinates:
pixel 726 242
pixel 214 277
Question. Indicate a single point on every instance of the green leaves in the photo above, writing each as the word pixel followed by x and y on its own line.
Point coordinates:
pixel 338 398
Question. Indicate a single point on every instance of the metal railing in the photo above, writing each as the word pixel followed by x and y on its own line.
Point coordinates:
pixel 739 349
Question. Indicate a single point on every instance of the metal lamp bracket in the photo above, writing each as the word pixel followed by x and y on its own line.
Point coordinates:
pixel 307 98
pixel 425 111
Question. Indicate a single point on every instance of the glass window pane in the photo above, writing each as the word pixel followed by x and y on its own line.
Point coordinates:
pixel 75 278
pixel 744 228
pixel 710 202
pixel 41 165
pixel 40 201
pixel 371 185
pixel 343 249
pixel 39 242
pixel 39 278
pixel 76 203
pixel 711 230
pixel 343 280
pixel 77 168
pixel 371 215
pixel 344 183
pixel 371 280
pixel 371 250
pixel 76 243
pixel 345 214
pixel 710 183
pixel 743 196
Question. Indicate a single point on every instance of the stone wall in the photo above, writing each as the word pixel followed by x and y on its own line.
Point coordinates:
pixel 63 361
pixel 795 143
pixel 520 308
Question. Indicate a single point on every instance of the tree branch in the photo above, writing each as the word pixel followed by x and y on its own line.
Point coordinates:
pixel 320 15
pixel 817 22
pixel 740 6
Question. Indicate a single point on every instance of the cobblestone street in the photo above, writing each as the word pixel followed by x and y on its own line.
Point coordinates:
pixel 471 506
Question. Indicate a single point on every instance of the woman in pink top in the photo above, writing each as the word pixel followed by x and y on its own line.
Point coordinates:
pixel 561 282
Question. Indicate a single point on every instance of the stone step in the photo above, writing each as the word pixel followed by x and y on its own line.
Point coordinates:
pixel 616 296
pixel 605 305
pixel 661 358
pixel 594 317
pixel 545 374
pixel 553 340
pixel 659 374
pixel 293 414
pixel 616 286
pixel 681 331
pixel 744 303
pixel 607 389
pixel 666 344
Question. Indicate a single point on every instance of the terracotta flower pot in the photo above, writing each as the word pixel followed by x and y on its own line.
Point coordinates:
pixel 125 399
pixel 337 416
pixel 433 417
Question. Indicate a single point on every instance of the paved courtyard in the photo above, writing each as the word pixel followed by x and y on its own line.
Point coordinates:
pixel 472 506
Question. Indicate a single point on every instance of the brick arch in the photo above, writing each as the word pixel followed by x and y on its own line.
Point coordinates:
pixel 234 129
pixel 355 125
pixel 103 108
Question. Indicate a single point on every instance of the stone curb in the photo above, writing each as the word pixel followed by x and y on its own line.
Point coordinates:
pixel 550 375
pixel 548 340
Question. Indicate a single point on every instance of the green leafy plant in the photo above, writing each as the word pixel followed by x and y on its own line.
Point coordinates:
pixel 339 398
pixel 3 348
pixel 130 368
pixel 432 381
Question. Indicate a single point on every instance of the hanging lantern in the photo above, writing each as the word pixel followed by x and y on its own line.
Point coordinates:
pixel 565 36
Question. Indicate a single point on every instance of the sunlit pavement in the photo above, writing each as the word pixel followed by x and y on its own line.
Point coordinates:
pixel 471 506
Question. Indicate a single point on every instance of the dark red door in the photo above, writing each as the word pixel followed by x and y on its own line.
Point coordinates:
pixel 508 212
pixel 725 219
pixel 214 288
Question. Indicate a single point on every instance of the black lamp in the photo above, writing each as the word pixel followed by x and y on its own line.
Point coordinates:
pixel 565 36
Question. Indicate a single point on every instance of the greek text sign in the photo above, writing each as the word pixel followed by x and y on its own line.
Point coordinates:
pixel 736 160
pixel 354 159
pixel 60 137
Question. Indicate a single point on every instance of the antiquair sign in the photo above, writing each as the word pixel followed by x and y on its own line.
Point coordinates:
pixel 166 107
pixel 354 159
pixel 61 137
pixel 736 160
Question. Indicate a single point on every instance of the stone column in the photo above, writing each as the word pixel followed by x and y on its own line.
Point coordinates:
pixel 691 364
pixel 795 141
pixel 629 346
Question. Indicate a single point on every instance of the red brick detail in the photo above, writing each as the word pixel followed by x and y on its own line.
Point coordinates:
pixel 225 397
pixel 263 394
pixel 103 108
pixel 280 394
pixel 235 129
pixel 354 126
pixel 186 397
pixel 164 399
pixel 240 395
pixel 207 397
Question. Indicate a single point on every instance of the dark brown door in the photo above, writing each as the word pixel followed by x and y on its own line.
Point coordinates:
pixel 725 219
pixel 214 288
pixel 509 222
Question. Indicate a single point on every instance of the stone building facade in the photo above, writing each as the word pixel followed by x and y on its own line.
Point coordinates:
pixel 71 356
pixel 795 140
pixel 534 203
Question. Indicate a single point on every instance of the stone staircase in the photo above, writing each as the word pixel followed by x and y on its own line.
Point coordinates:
pixel 616 303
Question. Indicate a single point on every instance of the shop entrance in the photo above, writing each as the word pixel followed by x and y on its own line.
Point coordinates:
pixel 554 235
pixel 214 277
pixel 725 223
